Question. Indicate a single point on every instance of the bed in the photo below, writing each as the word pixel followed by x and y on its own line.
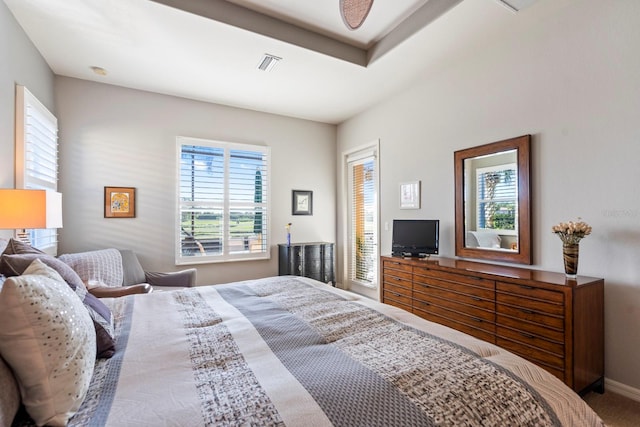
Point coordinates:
pixel 290 351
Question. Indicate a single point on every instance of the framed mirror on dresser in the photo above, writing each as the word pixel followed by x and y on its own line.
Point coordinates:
pixel 492 206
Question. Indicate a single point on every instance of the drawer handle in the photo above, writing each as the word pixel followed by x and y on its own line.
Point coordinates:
pixel 476 299
pixel 299 268
pixel 395 294
pixel 476 319
pixel 526 311
pixel 527 287
pixel 527 335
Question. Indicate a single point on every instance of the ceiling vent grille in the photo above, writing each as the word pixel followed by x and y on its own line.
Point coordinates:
pixel 268 62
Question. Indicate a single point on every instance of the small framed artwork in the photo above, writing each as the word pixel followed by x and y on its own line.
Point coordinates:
pixel 410 195
pixel 119 202
pixel 301 202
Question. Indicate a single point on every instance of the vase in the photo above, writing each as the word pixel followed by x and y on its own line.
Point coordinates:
pixel 570 254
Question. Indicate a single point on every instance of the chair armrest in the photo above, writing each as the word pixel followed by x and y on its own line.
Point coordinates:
pixel 184 278
pixel 119 291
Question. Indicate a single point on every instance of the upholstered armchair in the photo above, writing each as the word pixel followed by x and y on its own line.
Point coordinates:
pixel 117 272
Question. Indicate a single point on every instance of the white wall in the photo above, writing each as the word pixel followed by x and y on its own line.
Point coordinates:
pixel 570 79
pixel 112 136
pixel 20 63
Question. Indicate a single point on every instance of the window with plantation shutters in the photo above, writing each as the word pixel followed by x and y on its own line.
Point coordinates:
pixel 363 218
pixel 223 201
pixel 497 195
pixel 36 156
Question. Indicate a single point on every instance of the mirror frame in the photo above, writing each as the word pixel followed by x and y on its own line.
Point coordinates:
pixel 523 255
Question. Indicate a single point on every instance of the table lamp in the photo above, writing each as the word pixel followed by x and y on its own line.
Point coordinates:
pixel 27 209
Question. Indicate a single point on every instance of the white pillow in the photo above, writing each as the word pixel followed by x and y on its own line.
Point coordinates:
pixel 487 239
pixel 48 339
pixel 97 268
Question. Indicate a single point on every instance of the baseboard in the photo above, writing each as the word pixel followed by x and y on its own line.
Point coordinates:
pixel 622 389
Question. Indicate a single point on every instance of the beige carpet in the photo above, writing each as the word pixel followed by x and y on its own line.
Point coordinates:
pixel 615 410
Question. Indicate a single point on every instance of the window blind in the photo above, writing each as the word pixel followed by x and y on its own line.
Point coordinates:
pixel 497 190
pixel 223 201
pixel 36 156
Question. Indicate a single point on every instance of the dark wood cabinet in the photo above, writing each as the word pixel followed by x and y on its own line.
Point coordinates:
pixel 542 316
pixel 314 260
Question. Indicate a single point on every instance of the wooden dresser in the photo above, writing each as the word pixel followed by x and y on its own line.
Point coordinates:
pixel 542 316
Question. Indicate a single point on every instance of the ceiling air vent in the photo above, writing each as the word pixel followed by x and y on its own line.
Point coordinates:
pixel 268 62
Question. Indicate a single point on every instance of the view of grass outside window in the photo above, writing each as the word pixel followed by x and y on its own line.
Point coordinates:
pixel 497 197
pixel 223 201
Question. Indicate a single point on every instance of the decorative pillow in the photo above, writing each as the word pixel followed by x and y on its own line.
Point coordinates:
pixel 10 401
pixel 17 247
pixel 47 338
pixel 16 264
pixel 97 268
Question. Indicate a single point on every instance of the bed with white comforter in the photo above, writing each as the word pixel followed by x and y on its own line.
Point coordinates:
pixel 289 351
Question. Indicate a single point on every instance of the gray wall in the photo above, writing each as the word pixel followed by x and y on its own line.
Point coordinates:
pixel 20 63
pixel 572 80
pixel 112 136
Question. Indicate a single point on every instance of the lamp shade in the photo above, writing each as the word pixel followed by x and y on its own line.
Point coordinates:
pixel 30 209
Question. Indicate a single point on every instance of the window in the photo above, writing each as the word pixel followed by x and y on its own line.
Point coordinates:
pixel 497 190
pixel 223 201
pixel 362 190
pixel 36 156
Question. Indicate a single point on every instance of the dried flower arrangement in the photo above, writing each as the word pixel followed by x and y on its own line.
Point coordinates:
pixel 572 232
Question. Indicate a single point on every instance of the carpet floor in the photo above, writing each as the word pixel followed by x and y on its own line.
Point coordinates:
pixel 615 410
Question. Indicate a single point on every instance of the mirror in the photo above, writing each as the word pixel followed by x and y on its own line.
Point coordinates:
pixel 492 201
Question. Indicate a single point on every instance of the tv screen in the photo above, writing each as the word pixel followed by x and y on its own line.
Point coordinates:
pixel 415 237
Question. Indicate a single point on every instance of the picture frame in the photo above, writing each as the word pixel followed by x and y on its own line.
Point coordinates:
pixel 410 195
pixel 301 202
pixel 119 202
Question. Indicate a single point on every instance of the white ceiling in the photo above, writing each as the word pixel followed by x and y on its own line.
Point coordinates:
pixel 209 50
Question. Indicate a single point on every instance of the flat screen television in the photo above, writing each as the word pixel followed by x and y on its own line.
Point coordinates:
pixel 415 237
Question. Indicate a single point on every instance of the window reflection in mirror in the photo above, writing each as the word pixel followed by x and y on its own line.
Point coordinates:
pixel 491 220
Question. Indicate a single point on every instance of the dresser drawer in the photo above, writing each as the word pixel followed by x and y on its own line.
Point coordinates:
pixel 523 314
pixel 482 321
pixel 531 339
pixel 530 298
pixel 485 334
pixel 457 307
pixel 396 265
pixel 397 281
pixel 422 272
pixel 530 292
pixel 477 297
pixel 390 270
pixel 533 354
pixel 399 299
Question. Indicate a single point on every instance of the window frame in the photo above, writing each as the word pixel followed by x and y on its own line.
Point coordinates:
pixel 226 255
pixel 361 156
pixel 44 239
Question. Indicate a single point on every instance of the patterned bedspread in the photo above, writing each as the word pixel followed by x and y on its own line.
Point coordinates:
pixel 288 351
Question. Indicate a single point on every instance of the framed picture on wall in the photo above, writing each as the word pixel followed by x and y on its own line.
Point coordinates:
pixel 410 195
pixel 301 202
pixel 119 202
